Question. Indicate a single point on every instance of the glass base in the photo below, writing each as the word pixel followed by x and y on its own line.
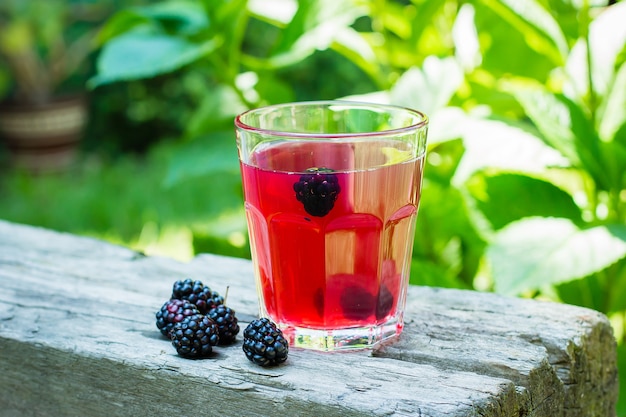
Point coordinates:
pixel 351 338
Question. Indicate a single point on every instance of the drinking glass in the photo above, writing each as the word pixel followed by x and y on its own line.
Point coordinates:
pixel 331 192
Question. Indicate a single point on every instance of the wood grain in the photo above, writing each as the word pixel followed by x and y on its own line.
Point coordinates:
pixel 78 338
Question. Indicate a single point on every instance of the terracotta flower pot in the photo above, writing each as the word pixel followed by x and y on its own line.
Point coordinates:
pixel 43 137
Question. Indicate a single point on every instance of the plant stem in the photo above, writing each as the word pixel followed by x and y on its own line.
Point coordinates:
pixel 585 21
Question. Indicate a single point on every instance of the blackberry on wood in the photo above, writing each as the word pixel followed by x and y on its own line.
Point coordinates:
pixel 198 293
pixel 227 323
pixel 172 312
pixel 195 336
pixel 264 343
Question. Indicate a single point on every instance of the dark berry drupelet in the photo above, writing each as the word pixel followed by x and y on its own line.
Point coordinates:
pixel 317 190
pixel 227 323
pixel 197 293
pixel 264 343
pixel 172 312
pixel 195 336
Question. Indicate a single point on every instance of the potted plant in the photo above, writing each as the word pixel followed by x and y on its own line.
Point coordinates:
pixel 44 46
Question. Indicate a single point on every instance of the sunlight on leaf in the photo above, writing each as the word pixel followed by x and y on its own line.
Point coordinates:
pixel 614 114
pixel 607 36
pixel 538 25
pixel 496 144
pixel 429 88
pixel 281 11
pixel 534 252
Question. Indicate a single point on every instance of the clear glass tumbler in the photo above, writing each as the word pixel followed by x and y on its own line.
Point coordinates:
pixel 332 190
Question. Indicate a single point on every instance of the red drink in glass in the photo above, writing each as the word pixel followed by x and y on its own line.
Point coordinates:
pixel 335 278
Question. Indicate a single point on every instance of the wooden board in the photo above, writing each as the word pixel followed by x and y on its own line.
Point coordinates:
pixel 78 338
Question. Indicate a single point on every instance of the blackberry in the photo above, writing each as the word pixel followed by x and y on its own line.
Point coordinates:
pixel 264 343
pixel 172 312
pixel 197 293
pixel 357 303
pixel 385 303
pixel 317 190
pixel 226 321
pixel 195 336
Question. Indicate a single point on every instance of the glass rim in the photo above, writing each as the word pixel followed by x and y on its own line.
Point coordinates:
pixel 423 120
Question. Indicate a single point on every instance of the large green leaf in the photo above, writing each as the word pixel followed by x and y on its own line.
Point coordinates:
pixel 507 197
pixel 503 145
pixel 565 126
pixel 536 252
pixel 541 30
pixel 138 54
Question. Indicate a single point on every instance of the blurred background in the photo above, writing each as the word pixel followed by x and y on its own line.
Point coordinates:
pixel 116 121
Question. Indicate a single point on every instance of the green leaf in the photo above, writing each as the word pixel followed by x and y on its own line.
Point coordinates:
pixel 216 111
pixel 607 37
pixel 507 197
pixel 208 155
pixel 349 43
pixel 181 17
pixel 430 88
pixel 565 126
pixel 503 145
pixel 549 114
pixel 540 29
pixel 535 252
pixel 612 115
pixel 121 22
pixel 443 159
pixel 314 26
pixel 585 292
pixel 446 232
pixel 137 55
pixel 425 15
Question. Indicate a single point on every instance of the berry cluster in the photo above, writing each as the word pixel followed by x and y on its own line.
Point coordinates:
pixel 195 319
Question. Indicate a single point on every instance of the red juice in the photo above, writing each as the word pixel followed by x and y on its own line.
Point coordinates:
pixel 341 269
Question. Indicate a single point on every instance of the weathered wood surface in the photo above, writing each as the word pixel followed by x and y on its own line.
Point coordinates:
pixel 77 338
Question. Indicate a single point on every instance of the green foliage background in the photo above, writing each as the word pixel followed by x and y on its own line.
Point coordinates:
pixel 524 189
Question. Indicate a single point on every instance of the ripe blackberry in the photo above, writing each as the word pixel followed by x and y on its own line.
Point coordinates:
pixel 195 336
pixel 226 321
pixel 197 293
pixel 264 343
pixel 317 190
pixel 172 312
